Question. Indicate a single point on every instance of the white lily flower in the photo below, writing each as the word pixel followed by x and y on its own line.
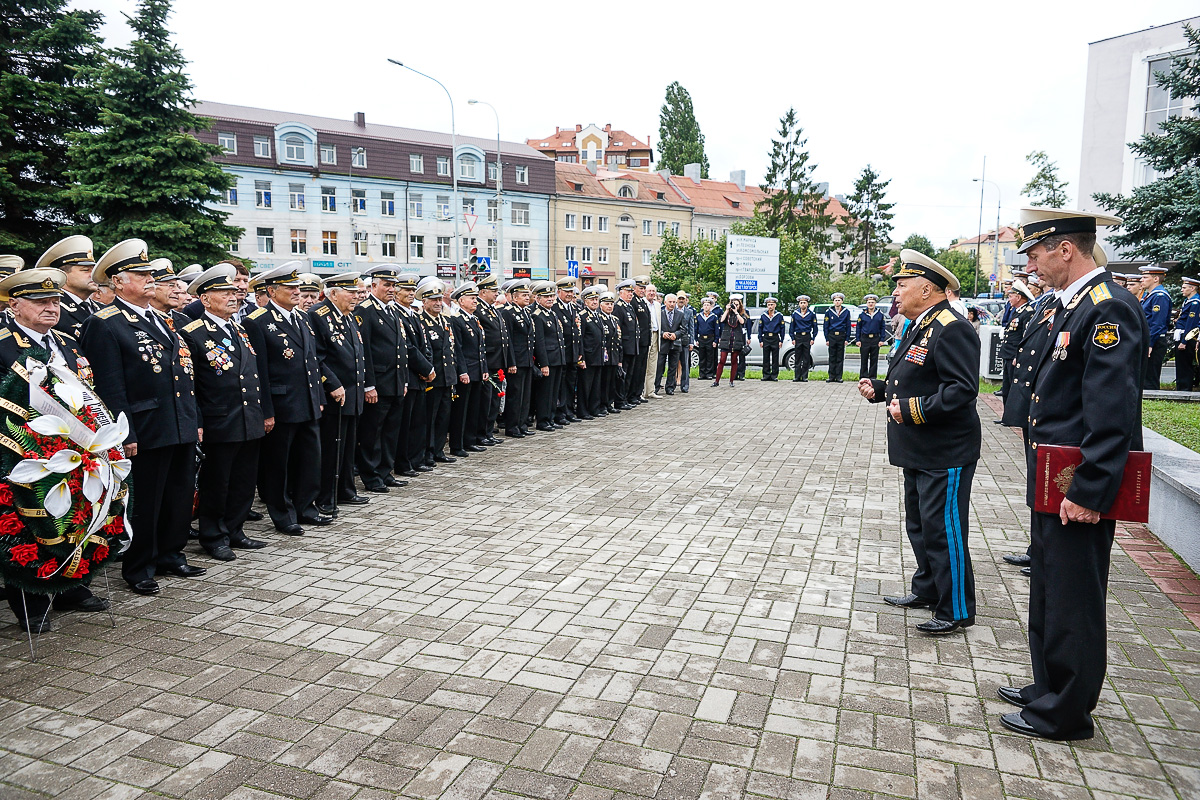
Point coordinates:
pixel 49 425
pixel 95 482
pixel 120 469
pixel 70 394
pixel 109 436
pixel 58 500
pixel 64 461
pixel 30 470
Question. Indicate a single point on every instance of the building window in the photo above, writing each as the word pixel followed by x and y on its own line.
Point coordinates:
pixel 416 162
pixel 262 147
pixel 443 166
pixel 358 201
pixel 296 196
pixel 523 175
pixel 586 222
pixel 387 245
pixel 662 227
pixel 520 251
pixel 469 205
pixel 387 204
pixel 443 248
pixel 416 247
pixel 328 154
pixel 360 243
pixel 229 197
pixel 646 256
pixel 359 157
pixel 625 191
pixel 569 222
pixel 493 171
pixel 624 270
pixel 674 228
pixel 1161 104
pixel 468 168
pixel 266 240
pixel 443 206
pixel 568 159
pixel 262 194
pixel 328 198
pixel 492 249
pixel 329 243
pixel 569 252
pixel 520 213
pixel 645 227
pixel 612 160
pixel 585 255
pixel 620 159
pixel 414 206
pixel 235 246
pixel 299 242
pixel 700 233
pixel 635 162
pixel 493 210
pixel 602 224
pixel 712 235
pixel 293 148
pixel 227 142
pixel 625 237
pixel 602 255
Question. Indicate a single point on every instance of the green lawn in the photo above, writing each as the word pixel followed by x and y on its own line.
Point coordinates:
pixel 1179 422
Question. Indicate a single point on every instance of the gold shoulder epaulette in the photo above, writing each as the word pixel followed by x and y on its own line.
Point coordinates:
pixel 4 334
pixel 191 326
pixel 322 310
pixel 1099 294
pixel 946 316
pixel 256 313
pixel 107 312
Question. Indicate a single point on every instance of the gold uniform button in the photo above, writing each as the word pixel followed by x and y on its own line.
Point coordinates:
pixel 177 394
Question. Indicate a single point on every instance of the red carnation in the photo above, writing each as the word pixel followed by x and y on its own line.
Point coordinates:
pixel 48 569
pixel 500 374
pixel 6 495
pixel 100 553
pixel 116 527
pixel 24 553
pixel 82 569
pixel 10 524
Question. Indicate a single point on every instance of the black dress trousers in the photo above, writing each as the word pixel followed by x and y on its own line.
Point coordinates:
pixel 337 456
pixel 289 470
pixel 437 409
pixel 464 394
pixel 770 370
pixel 868 361
pixel 379 433
pixel 164 479
pixel 936 517
pixel 226 483
pixel 516 401
pixel 837 355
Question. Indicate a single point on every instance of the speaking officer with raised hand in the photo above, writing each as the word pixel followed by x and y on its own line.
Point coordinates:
pixel 468 410
pixel 498 353
pixel 72 255
pixel 229 394
pixel 143 370
pixel 343 378
pixel 439 393
pixel 385 349
pixel 933 435
pixel 1086 393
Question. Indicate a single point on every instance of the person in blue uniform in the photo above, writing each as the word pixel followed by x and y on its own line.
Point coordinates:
pixel 837 332
pixel 869 336
pixel 770 336
pixel 1156 305
pixel 1187 329
pixel 803 331
pixel 933 434
pixel 1086 393
pixel 706 338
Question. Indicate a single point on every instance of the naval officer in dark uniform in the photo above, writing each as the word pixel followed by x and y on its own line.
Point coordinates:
pixel 142 369
pixel 386 351
pixel 439 393
pixel 229 395
pixel 1086 393
pixel 468 408
pixel 285 347
pixel 631 335
pixel 522 337
pixel 498 351
pixel 414 431
pixel 933 435
pixel 1156 305
pixel 73 255
pixel 566 308
pixel 1020 311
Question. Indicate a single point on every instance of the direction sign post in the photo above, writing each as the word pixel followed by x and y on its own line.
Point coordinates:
pixel 751 264
pixel 573 269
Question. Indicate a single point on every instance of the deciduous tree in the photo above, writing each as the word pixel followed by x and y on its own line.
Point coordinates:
pixel 680 141
pixel 1044 188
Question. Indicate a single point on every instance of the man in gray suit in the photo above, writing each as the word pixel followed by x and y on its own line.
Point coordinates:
pixel 672 337
pixel 689 343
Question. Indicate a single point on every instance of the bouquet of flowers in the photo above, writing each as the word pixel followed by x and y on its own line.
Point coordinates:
pixel 63 477
pixel 499 383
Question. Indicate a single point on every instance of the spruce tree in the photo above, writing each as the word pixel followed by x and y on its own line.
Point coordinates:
pixel 868 228
pixel 680 141
pixel 143 173
pixel 44 47
pixel 795 204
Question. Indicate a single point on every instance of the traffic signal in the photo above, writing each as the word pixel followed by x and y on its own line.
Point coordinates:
pixel 473 261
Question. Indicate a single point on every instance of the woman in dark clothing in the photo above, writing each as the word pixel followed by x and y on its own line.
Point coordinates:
pixel 733 337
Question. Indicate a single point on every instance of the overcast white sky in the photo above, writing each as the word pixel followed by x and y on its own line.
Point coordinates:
pixel 920 90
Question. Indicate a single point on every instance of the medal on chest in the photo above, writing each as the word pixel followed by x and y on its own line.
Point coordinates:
pixel 917 354
pixel 1060 347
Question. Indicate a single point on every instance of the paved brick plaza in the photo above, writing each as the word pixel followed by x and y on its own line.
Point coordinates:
pixel 682 601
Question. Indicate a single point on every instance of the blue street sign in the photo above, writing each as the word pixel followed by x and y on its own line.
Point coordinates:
pixel 573 269
pixel 992 277
pixel 746 286
pixel 485 264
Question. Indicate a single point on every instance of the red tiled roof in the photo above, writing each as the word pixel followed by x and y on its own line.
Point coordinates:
pixel 619 141
pixel 649 184
pixel 1007 234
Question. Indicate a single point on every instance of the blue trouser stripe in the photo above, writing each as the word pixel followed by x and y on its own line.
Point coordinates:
pixel 954 544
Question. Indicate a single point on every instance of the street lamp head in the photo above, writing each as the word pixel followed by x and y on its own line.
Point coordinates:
pixel 472 102
pixel 394 61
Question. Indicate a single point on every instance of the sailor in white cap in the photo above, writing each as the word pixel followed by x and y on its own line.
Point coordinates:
pixel 440 391
pixel 468 410
pixel 770 336
pixel 1156 305
pixel 803 332
pixel 141 369
pixel 73 255
pixel 836 328
pixel 868 336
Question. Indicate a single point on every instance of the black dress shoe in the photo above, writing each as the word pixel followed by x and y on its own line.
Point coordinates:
pixel 614 410
pixel 380 489
pixel 391 482
pixel 477 449
pixel 144 587
pixel 908 601
pixel 441 459
pixel 354 500
pixel 459 453
pixel 246 543
pixel 587 417
pixel 319 519
pixel 36 626
pixel 557 426
pixel 423 468
pixel 1019 560
pixel 408 473
pixel 89 603
pixel 1027 572
pixel 685 391
pixel 326 510
pixel 526 431
pixel 1012 695
pixel 1016 723
pixel 184 571
pixel 291 530
pixel 546 428
pixel 254 516
pixel 221 553
pixel 514 434
pixel 602 413
pixel 489 442
pixel 941 627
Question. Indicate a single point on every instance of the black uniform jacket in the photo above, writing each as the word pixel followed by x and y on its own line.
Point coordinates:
pixel 612 338
pixel 1020 390
pixel 468 345
pixel 593 346
pixel 550 348
pixel 441 345
pixel 1014 331
pixel 14 347
pixel 288 369
pixel 228 390
pixel 341 354
pixel 1087 389
pixel 142 369
pixel 626 315
pixel 495 337
pixel 520 334
pixel 420 355
pixel 72 315
pixel 566 315
pixel 935 376
pixel 385 346
pixel 641 310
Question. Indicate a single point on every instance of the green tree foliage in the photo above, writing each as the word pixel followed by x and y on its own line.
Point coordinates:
pixel 680 141
pixel 921 244
pixel 963 266
pixel 868 228
pixel 1162 218
pixel 143 173
pixel 1044 188
pixel 795 204
pixel 44 47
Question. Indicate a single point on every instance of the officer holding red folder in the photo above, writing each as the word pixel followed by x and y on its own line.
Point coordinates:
pixel 1087 394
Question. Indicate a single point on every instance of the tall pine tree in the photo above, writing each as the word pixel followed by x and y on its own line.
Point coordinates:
pixel 795 204
pixel 44 46
pixel 680 141
pixel 868 228
pixel 143 173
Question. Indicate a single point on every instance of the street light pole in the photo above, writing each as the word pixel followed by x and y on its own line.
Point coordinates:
pixel 499 185
pixel 353 225
pixel 979 235
pixel 996 249
pixel 454 204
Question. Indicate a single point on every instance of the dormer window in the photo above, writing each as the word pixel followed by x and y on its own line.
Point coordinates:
pixel 293 148
pixel 625 191
pixel 736 203
pixel 661 195
pixel 579 187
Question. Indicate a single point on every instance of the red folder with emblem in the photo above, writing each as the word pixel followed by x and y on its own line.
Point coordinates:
pixel 1056 468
